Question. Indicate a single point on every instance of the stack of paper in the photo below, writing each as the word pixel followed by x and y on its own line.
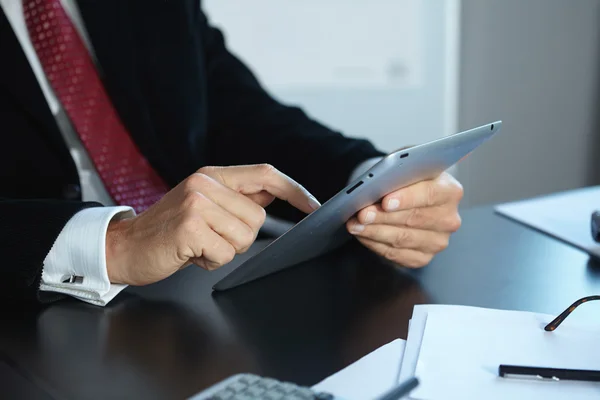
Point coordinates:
pixel 565 216
pixel 455 352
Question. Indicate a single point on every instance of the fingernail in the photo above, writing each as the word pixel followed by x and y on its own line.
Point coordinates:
pixel 357 228
pixel 313 202
pixel 393 204
pixel 370 217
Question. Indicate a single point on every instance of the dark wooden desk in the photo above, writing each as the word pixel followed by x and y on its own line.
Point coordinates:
pixel 172 339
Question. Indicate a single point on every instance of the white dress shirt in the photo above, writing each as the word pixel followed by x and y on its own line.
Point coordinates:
pixel 79 249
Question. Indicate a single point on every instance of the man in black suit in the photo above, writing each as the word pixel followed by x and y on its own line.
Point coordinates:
pixel 109 108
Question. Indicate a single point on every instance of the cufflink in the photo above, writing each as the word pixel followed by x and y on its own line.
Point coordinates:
pixel 74 279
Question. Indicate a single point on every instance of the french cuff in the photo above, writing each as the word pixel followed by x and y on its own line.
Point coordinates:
pixel 76 264
pixel 363 167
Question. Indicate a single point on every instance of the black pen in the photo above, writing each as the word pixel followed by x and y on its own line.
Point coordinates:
pixel 555 374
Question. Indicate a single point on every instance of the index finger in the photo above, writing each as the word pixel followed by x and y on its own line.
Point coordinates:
pixel 252 179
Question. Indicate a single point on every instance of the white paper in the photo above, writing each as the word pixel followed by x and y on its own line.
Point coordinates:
pixel 564 215
pixel 462 348
pixel 368 377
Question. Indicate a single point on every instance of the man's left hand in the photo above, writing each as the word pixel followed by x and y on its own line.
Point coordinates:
pixel 411 225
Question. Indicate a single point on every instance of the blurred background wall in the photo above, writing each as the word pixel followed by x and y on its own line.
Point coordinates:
pixel 406 71
pixel 536 65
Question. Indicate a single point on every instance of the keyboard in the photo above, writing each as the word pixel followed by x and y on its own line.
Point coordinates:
pixel 254 387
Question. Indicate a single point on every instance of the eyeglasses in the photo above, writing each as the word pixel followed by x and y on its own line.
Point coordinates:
pixel 595 228
pixel 559 320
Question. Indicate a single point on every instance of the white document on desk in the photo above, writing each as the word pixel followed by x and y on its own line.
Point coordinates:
pixel 368 377
pixel 462 347
pixel 565 216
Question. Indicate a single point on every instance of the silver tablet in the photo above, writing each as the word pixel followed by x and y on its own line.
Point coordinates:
pixel 325 229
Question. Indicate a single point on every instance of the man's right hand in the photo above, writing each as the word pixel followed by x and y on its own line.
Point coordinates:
pixel 207 219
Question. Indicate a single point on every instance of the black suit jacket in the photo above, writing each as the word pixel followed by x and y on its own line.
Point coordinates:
pixel 186 101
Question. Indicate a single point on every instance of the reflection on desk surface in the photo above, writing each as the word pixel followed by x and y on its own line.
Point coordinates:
pixel 300 325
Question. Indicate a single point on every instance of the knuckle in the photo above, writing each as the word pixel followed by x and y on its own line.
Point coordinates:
pixel 458 192
pixel 402 238
pixel 442 243
pixel 194 199
pixel 246 239
pixel 193 181
pixel 214 174
pixel 196 182
pixel 414 217
pixel 390 253
pixel 266 169
pixel 262 215
pixel 260 218
pixel 257 217
pixel 206 170
pixel 226 255
pixel 456 188
pixel 454 223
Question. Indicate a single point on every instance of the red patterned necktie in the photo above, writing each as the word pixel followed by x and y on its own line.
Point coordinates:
pixel 126 174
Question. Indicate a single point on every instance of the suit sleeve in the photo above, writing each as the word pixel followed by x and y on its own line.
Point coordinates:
pixel 28 229
pixel 248 126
